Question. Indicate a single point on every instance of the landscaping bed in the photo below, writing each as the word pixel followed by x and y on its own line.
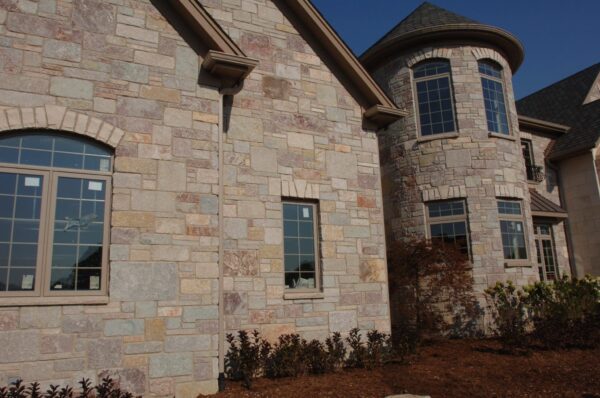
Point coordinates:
pixel 453 368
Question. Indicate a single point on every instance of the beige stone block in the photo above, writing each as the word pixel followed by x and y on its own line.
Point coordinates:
pixel 299 140
pixel 160 93
pixel 14 118
pixel 172 176
pixel 81 123
pixel 246 128
pixel 193 389
pixel 372 270
pixel 134 32
pixel 332 232
pixel 205 117
pixel 251 209
pixel 195 286
pixel 170 226
pixel 155 329
pixel 105 131
pixel 263 159
pixel 341 165
pixel 27 117
pixel 178 118
pixel 55 114
pixel 132 219
pixel 105 105
pixel 135 165
pixel 3 121
pixel 326 95
pixel 93 127
pixel 153 59
pixel 170 253
pixel 272 332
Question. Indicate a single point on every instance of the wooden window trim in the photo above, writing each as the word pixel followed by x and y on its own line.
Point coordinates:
pixel 504 93
pixel 447 134
pixel 550 235
pixel 305 293
pixel 41 294
pixel 429 221
pixel 520 262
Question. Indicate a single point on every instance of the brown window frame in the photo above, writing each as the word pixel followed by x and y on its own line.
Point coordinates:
pixel 293 292
pixel 429 220
pixel 540 255
pixel 499 80
pixel 514 217
pixel 41 294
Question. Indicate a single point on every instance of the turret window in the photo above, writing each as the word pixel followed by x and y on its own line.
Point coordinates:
pixel 435 105
pixel 493 97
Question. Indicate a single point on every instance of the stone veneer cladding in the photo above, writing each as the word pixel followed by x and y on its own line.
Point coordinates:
pixel 471 164
pixel 293 131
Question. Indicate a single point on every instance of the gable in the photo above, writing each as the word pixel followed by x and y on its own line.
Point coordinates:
pixel 594 93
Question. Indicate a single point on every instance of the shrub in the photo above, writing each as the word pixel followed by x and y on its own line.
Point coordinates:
pixel 336 352
pixel 565 313
pixel 244 359
pixel 508 313
pixel 288 357
pixel 357 357
pixel 106 389
pixel 379 349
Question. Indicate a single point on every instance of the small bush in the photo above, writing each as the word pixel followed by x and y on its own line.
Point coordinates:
pixel 357 357
pixel 288 357
pixel 244 359
pixel 336 352
pixel 565 313
pixel 508 312
pixel 379 349
pixel 106 389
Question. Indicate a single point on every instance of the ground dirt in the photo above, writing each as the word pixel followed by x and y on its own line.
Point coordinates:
pixel 455 368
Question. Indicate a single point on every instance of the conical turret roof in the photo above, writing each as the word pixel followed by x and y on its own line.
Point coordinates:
pixel 430 23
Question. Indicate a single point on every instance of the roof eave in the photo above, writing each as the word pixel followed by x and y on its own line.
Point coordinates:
pixel 508 44
pixel 549 214
pixel 383 116
pixel 542 125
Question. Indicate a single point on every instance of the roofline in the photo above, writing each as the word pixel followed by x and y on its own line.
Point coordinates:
pixel 570 153
pixel 380 110
pixel 511 47
pixel 549 214
pixel 224 59
pixel 542 125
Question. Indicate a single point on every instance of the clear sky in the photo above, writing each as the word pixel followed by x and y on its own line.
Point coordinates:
pixel 560 37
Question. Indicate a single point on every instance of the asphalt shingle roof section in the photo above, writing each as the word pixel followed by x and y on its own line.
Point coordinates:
pixel 540 204
pixel 562 102
pixel 424 16
pixel 429 22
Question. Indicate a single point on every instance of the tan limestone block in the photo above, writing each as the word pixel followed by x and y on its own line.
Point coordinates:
pixel 155 329
pixel 372 270
pixel 271 251
pixel 192 389
pixel 195 286
pixel 205 117
pixel 135 361
pixel 272 332
pixel 169 311
pixel 14 118
pixel 160 93
pixel 136 165
pixel 332 232
pixel 153 59
pixel 170 226
pixel 133 219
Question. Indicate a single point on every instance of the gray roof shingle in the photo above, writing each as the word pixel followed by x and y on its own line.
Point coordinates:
pixel 540 204
pixel 562 102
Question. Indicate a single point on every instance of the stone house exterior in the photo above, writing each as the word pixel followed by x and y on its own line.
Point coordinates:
pixel 172 171
pixel 218 160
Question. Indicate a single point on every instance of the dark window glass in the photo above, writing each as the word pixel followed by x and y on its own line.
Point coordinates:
pixel 434 97
pixel 453 232
pixel 299 246
pixel 526 148
pixel 509 207
pixel 20 201
pixel 493 97
pixel 513 240
pixel 54 150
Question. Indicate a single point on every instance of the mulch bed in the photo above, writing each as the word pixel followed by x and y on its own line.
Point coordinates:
pixel 455 368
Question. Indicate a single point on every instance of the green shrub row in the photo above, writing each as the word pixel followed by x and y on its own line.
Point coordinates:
pixel 559 314
pixel 251 356
pixel 106 389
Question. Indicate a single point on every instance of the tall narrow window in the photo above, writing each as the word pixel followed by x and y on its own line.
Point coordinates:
pixel 435 107
pixel 527 150
pixel 493 97
pixel 546 252
pixel 512 229
pixel 53 218
pixel 448 224
pixel 300 243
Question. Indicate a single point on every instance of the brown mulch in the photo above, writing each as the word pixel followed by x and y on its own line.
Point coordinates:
pixel 455 368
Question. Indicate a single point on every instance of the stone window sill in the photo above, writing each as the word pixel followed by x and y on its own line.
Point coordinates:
pixel 45 301
pixel 432 137
pixel 503 136
pixel 302 295
pixel 517 263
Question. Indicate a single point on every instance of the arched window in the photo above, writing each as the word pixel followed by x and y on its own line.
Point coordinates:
pixel 493 96
pixel 435 104
pixel 54 215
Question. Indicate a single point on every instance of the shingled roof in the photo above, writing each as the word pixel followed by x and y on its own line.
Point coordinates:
pixel 563 102
pixel 429 22
pixel 543 207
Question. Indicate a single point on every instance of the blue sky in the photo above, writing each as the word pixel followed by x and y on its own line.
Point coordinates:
pixel 560 37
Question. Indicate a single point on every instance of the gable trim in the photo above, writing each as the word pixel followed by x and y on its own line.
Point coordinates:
pixel 225 59
pixel 381 110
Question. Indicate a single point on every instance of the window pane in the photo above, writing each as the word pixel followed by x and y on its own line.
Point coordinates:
pixel 290 211
pixel 23 255
pixel 306 229
pixel 50 149
pixel 6 206
pixel 513 240
pixel 79 223
pixel 493 94
pixel 290 228
pixel 307 246
pixel 292 263
pixel 21 279
pixel 436 113
pixel 299 245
